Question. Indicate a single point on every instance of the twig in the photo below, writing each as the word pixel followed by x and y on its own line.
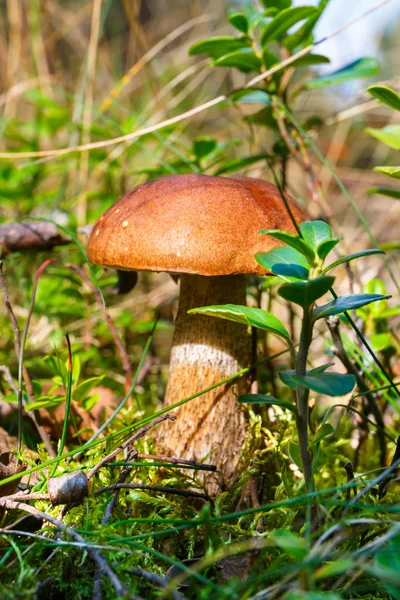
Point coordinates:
pixel 154 488
pixel 180 461
pixel 137 435
pixel 33 415
pixel 26 236
pixel 126 365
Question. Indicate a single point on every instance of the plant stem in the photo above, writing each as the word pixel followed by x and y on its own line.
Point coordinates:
pixel 302 394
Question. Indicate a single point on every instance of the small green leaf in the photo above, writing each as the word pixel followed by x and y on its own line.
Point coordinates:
pixel 243 59
pixel 389 135
pixel 239 163
pixel 306 595
pixel 326 247
pixel 330 384
pixel 310 59
pixel 344 303
pixel 263 399
pixel 216 47
pixel 303 35
pixel 292 240
pixel 284 261
pixel 256 317
pixel 321 433
pixel 239 21
pixel 82 390
pixel 363 67
pixel 315 232
pixel 294 453
pixel 350 257
pixel 292 544
pixel 385 95
pixel 286 376
pixel 391 193
pixel 203 146
pixel 279 4
pixel 284 20
pixel 330 569
pixel 391 171
pixel 251 96
pixel 305 293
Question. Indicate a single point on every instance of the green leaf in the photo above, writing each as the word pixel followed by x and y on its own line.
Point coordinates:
pixel 389 135
pixel 384 192
pixel 239 163
pixel 391 171
pixel 203 146
pixel 244 59
pixel 305 293
pixel 251 96
pixel 279 4
pixel 284 20
pixel 256 317
pixel 264 117
pixel 315 232
pixel 263 399
pixel 284 261
pixel 310 59
pixel 82 390
pixel 344 303
pixel 292 544
pixel 295 455
pixel 216 47
pixel 239 21
pixel 326 247
pixel 286 376
pixel 321 433
pixel 363 67
pixel 330 569
pixel 306 595
pixel 385 95
pixel 292 240
pixel 330 384
pixel 354 256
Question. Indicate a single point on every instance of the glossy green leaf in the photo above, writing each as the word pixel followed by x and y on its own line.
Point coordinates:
pixel 239 21
pixel 244 59
pixel 315 232
pixel 351 257
pixel 391 193
pixel 284 261
pixel 286 376
pixel 389 135
pixel 216 47
pixel 263 399
pixel 292 240
pixel 83 389
pixel 284 20
pixel 326 247
pixel 321 433
pixel 305 293
pixel 304 35
pixel 251 96
pixel 292 544
pixel 363 67
pixel 256 317
pixel 279 4
pixel 391 171
pixel 203 146
pixel 239 163
pixel 310 59
pixel 385 95
pixel 330 384
pixel 344 303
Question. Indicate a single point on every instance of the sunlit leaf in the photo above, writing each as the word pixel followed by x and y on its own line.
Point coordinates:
pixel 291 240
pixel 351 257
pixel 391 193
pixel 284 20
pixel 363 67
pixel 385 95
pixel 391 171
pixel 256 317
pixel 292 544
pixel 218 46
pixel 310 59
pixel 344 303
pixel 305 293
pixel 239 21
pixel 244 59
pixel 315 232
pixel 389 135
pixel 321 433
pixel 284 261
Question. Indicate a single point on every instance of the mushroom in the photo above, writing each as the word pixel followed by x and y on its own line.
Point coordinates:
pixel 204 229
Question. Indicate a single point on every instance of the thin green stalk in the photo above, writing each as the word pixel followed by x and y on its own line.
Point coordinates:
pixel 22 348
pixel 302 394
pixel 67 407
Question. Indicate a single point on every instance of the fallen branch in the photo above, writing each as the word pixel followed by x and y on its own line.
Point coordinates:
pixel 30 235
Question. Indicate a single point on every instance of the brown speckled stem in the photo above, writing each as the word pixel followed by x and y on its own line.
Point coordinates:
pixel 206 350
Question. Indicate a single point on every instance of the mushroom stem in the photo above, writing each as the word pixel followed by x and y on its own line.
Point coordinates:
pixel 205 351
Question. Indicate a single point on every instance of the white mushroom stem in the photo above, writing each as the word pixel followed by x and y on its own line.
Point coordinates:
pixel 206 350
